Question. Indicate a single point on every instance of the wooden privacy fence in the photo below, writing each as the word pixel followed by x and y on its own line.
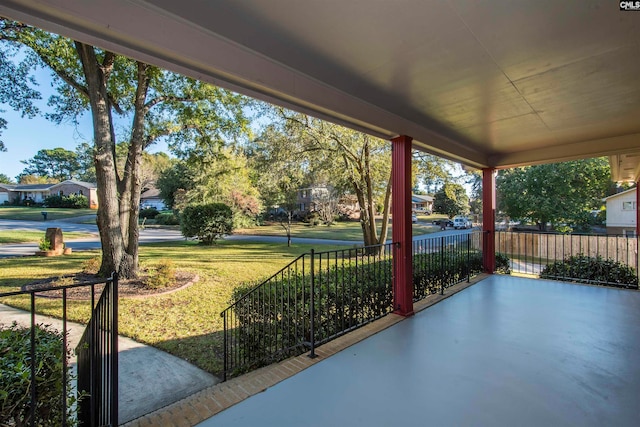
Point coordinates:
pixel 555 247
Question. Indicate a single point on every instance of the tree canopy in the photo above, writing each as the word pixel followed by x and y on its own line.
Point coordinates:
pixel 554 193
pixel 156 103
pixel 451 200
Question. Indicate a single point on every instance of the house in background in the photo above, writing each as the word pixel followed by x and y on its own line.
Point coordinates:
pixel 37 193
pixel 621 213
pixel 421 203
pixel 150 198
pixel 308 198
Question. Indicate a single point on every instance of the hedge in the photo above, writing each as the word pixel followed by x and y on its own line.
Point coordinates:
pixel 15 378
pixel 592 270
pixel 71 201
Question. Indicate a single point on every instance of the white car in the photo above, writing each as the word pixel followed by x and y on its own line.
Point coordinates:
pixel 461 222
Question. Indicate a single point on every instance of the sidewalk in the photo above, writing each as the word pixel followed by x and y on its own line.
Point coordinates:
pixel 150 379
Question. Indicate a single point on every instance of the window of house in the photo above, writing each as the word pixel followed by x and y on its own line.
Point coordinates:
pixel 60 193
pixel 628 206
pixel 80 193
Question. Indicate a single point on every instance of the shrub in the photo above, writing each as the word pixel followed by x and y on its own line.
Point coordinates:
pixel 267 321
pixel 44 244
pixel 594 270
pixel 207 222
pixel 92 265
pixel 15 377
pixel 162 275
pixel 167 218
pixel 149 213
pixel 72 201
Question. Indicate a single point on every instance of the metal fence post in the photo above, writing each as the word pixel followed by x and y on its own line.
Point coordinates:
pixel 442 265
pixel 469 258
pixel 312 311
pixel 114 349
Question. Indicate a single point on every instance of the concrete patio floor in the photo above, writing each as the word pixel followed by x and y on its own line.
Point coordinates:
pixel 505 351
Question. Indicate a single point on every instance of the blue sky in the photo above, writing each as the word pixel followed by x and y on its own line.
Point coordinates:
pixel 24 137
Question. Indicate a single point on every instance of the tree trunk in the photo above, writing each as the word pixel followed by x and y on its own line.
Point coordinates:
pixel 114 256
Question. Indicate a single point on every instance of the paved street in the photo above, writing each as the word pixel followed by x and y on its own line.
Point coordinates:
pixel 152 235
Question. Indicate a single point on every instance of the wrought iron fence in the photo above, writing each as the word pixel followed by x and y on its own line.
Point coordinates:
pixel 442 261
pixel 593 259
pixel 98 360
pixel 316 298
pixel 44 392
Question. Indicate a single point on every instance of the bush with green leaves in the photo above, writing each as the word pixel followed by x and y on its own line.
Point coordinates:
pixel 72 201
pixel 274 319
pixel 206 222
pixel 161 275
pixel 592 270
pixel 149 213
pixel 167 218
pixel 16 380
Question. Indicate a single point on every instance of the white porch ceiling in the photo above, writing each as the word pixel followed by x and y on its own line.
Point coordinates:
pixel 496 83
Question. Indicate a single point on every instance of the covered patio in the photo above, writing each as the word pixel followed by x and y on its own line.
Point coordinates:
pixel 491 85
pixel 505 351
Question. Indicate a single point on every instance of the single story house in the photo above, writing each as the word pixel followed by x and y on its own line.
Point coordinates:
pixel 421 203
pixel 621 213
pixel 36 193
pixel 150 198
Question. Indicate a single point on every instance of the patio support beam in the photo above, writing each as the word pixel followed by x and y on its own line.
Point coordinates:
pixel 401 230
pixel 638 212
pixel 489 219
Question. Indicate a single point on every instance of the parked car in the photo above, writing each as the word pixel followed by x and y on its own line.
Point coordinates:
pixel 460 222
pixel 441 222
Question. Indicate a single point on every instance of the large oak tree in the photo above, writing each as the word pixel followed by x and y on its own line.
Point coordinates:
pixel 155 103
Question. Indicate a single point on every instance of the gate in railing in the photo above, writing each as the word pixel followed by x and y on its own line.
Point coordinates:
pixel 316 298
pixel 440 262
pixel 598 259
pixel 43 391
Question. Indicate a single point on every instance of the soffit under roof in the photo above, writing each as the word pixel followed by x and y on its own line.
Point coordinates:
pixel 498 83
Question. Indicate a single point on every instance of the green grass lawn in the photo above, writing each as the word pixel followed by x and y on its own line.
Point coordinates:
pixel 25 236
pixel 350 230
pixel 34 214
pixel 186 323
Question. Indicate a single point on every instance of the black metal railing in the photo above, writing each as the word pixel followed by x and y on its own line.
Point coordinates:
pixel 316 298
pixel 47 395
pixel 98 360
pixel 440 262
pixel 587 258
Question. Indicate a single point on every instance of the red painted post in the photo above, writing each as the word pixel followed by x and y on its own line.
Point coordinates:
pixel 489 219
pixel 401 230
pixel 638 212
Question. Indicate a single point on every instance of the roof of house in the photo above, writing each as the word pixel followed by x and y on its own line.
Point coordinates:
pixel 421 198
pixel 46 187
pixel 620 194
pixel 31 187
pixel 75 182
pixel 151 193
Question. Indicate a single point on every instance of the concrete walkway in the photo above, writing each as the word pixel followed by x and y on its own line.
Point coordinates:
pixel 149 379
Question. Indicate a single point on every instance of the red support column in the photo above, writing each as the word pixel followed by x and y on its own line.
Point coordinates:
pixel 401 230
pixel 489 219
pixel 638 212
